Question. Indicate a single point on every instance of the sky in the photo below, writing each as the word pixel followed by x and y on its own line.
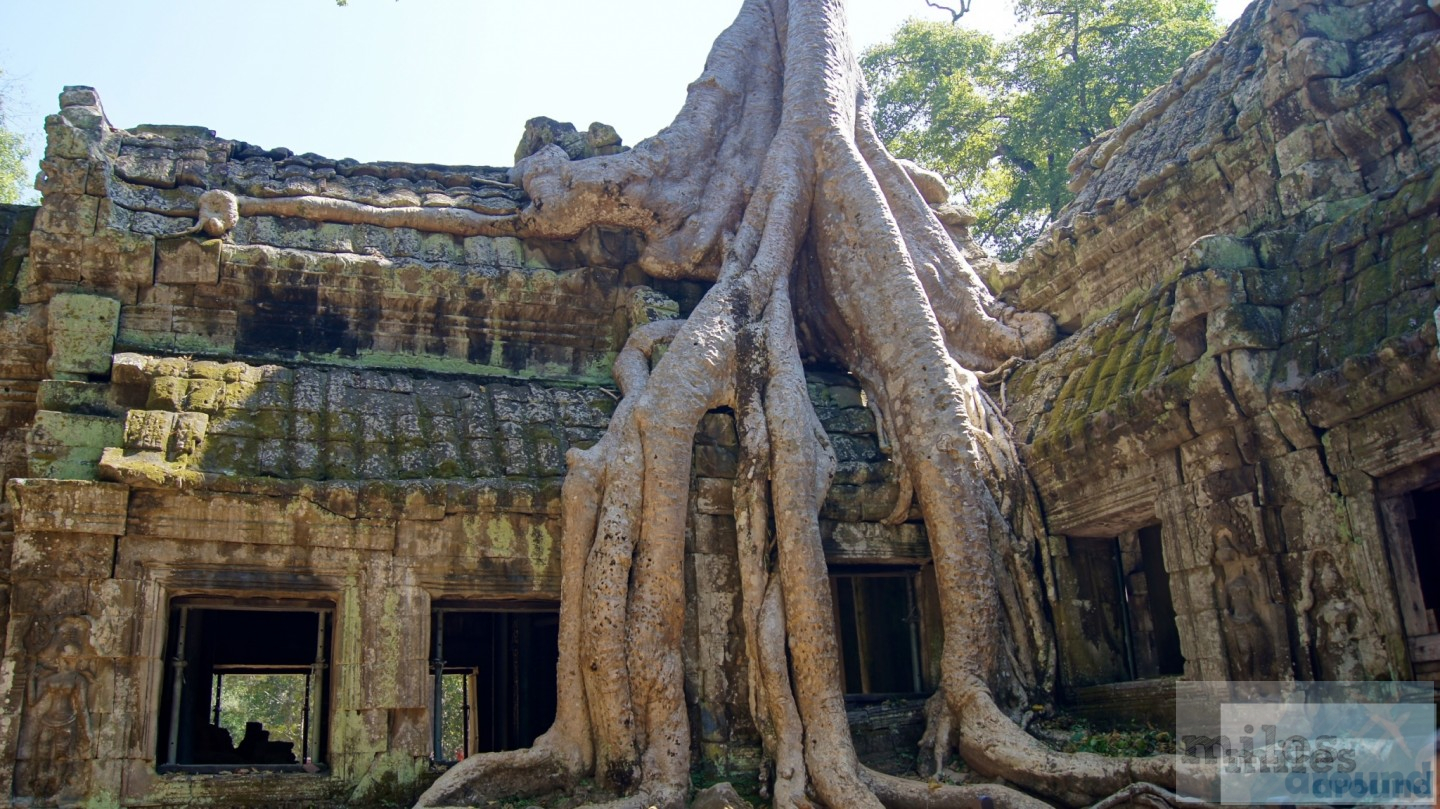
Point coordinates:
pixel 438 81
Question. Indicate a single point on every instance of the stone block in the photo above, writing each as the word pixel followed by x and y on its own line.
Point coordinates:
pixel 1243 326
pixel 714 496
pixel 364 732
pixel 85 398
pixel 148 430
pixel 714 534
pixel 188 436
pixel 114 603
pixel 148 325
pixel 718 429
pixel 1220 252
pixel 68 214
pixel 187 261
pixel 118 263
pixel 154 168
pixel 1318 58
pixel 1204 292
pixel 258 520
pixel 1249 374
pixel 82 333
pixel 67 445
pixel 1366 131
pixel 68 505
pixel 79 96
pixel 1212 452
pixel 1211 406
pixel 860 541
pixel 63 139
pixel 410 729
pixel 715 462
pixel 62 176
pixel 46 555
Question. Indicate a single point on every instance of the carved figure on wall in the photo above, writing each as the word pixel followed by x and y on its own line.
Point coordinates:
pixel 1246 638
pixel 1245 602
pixel 56 741
pixel 1330 622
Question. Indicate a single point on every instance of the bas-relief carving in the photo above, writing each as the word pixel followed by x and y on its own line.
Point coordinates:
pixel 1332 624
pixel 56 746
pixel 1255 641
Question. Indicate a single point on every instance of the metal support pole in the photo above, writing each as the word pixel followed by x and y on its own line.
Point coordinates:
pixel 912 617
pixel 437 667
pixel 177 678
pixel 315 692
pixel 219 684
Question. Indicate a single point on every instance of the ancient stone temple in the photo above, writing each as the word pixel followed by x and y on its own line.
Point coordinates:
pixel 265 432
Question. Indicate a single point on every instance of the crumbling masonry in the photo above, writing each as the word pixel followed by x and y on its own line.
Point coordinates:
pixel 330 429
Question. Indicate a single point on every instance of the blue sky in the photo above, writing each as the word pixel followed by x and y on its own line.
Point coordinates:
pixel 444 81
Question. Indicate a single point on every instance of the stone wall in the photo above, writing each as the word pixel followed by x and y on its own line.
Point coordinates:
pixel 1301 112
pixel 372 419
pixel 1250 269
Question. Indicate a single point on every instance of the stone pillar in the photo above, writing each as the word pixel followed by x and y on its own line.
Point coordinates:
pixel 69 634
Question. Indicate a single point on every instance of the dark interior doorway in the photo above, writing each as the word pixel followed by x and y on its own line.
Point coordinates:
pixel 1122 608
pixel 1425 538
pixel 877 616
pixel 494 676
pixel 1155 610
pixel 246 686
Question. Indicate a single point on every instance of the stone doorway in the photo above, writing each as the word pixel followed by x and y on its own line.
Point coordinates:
pixel 494 677
pixel 1117 606
pixel 1413 528
pixel 878 617
pixel 246 686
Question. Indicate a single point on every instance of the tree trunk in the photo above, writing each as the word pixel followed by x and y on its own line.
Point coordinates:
pixel 772 183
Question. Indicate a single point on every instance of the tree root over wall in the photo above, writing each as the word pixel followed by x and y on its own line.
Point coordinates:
pixel 772 183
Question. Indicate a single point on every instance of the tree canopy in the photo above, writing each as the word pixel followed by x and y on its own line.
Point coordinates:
pixel 12 156
pixel 1000 119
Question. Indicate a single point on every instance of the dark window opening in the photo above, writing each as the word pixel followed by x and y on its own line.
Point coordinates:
pixel 246 686
pixel 1124 608
pixel 1425 537
pixel 494 678
pixel 877 617
pixel 1154 633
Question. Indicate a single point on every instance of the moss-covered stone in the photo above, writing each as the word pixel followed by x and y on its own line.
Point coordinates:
pixel 67 445
pixel 82 333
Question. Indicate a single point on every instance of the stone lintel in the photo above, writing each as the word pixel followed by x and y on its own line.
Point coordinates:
pixel 68 506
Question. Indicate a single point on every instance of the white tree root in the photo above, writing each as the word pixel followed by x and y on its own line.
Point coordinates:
pixel 771 183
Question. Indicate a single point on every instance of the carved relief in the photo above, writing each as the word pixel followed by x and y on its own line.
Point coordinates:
pixel 1255 636
pixel 56 739
pixel 1332 626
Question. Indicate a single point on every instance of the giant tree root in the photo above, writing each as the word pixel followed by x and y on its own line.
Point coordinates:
pixel 772 184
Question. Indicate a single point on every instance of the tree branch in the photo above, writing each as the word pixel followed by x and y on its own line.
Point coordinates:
pixel 954 15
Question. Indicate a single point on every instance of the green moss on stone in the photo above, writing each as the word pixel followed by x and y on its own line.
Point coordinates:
pixel 67 446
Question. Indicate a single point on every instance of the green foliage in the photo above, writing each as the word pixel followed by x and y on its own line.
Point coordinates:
pixel 452 721
pixel 12 157
pixel 275 700
pixel 1070 735
pixel 1001 119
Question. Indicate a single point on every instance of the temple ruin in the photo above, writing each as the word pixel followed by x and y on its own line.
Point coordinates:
pixel 317 446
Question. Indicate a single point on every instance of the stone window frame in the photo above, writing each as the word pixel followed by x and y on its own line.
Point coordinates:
pixel 1393 495
pixel 161 585
pixel 921 576
pixel 313 742
pixel 441 599
pixel 1126 615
